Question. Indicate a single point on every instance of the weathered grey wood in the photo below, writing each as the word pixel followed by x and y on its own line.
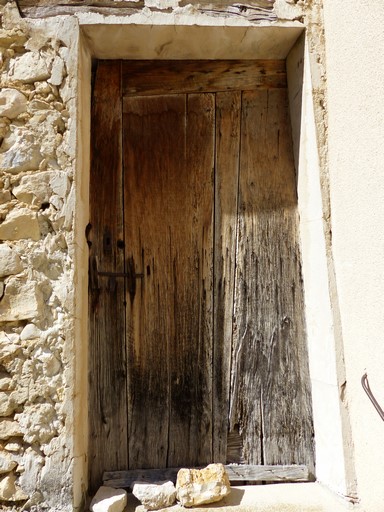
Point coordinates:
pixel 107 360
pixel 228 115
pixel 154 77
pixel 236 473
pixel 168 202
pixel 190 431
pixel 270 398
pixel 253 10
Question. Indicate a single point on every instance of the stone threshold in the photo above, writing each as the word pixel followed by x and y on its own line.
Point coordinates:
pixel 296 497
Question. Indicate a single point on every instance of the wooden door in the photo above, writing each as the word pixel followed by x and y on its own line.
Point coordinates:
pixel 197 340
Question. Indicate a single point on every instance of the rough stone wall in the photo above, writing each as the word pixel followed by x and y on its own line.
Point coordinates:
pixel 36 206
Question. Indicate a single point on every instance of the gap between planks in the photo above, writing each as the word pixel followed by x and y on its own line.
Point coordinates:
pixel 236 473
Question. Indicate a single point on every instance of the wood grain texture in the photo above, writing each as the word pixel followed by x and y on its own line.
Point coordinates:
pixel 253 10
pixel 107 368
pixel 228 116
pixel 190 432
pixel 270 396
pixel 154 77
pixel 236 473
pixel 168 162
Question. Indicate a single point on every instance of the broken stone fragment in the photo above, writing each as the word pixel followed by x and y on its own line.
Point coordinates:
pixel 199 486
pixel 9 428
pixel 19 224
pixel 12 103
pixel 29 68
pixel 7 462
pixel 108 499
pixel 22 154
pixel 58 71
pixel 10 263
pixel 9 491
pixel 21 301
pixel 155 496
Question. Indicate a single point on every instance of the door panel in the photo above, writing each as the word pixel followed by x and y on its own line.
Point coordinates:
pixel 198 345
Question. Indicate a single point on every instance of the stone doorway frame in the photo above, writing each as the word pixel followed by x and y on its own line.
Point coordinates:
pixel 119 37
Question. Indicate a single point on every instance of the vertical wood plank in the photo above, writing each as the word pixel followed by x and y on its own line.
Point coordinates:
pixel 270 398
pixel 107 361
pixel 228 116
pixel 190 433
pixel 154 146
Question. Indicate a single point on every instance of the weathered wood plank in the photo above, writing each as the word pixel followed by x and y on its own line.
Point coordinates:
pixel 154 77
pixel 107 358
pixel 154 135
pixel 190 431
pixel 236 473
pixel 270 399
pixel 253 10
pixel 228 115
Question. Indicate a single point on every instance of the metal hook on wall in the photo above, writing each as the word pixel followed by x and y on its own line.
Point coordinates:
pixel 367 389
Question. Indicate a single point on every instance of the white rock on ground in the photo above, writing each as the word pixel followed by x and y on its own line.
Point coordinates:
pixel 108 499
pixel 155 496
pixel 199 486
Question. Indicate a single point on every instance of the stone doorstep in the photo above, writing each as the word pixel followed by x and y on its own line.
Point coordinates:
pixel 297 497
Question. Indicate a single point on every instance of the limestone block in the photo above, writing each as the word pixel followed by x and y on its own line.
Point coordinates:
pixel 10 262
pixel 7 462
pixel 57 72
pixel 5 196
pixel 30 67
pixel 9 491
pixel 22 153
pixel 30 332
pixel 7 406
pixel 22 301
pixel 38 188
pixel 9 428
pixel 5 381
pixel 155 496
pixel 12 103
pixel 20 223
pixel 198 486
pixel 108 499
pixel 33 189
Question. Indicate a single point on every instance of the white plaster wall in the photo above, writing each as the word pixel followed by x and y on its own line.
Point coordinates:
pixel 355 76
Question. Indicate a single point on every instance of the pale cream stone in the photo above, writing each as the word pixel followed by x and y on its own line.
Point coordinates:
pixel 20 223
pixel 9 491
pixel 7 406
pixel 155 496
pixel 9 428
pixel 5 381
pixel 108 499
pixel 22 301
pixel 30 332
pixel 57 72
pixel 12 103
pixel 30 67
pixel 10 262
pixel 198 486
pixel 5 196
pixel 7 462
pixel 22 153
